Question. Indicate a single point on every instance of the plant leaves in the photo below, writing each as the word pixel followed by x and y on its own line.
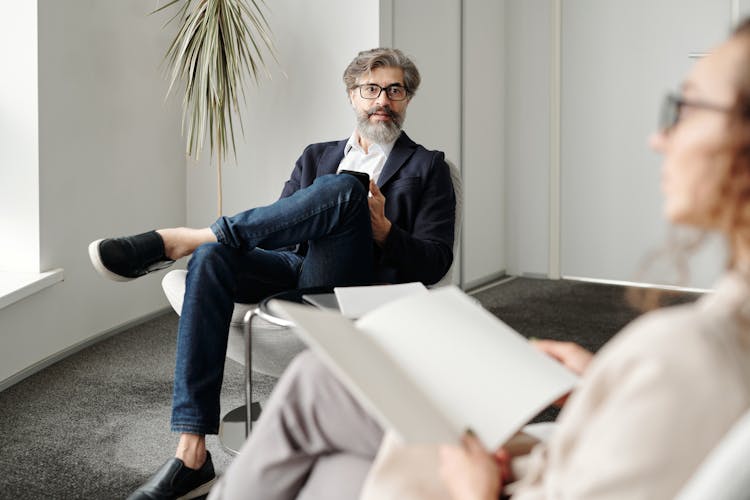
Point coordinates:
pixel 218 44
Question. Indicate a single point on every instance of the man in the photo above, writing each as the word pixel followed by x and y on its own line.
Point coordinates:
pixel 324 231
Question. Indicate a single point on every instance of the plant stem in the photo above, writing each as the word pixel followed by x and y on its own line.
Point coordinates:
pixel 218 180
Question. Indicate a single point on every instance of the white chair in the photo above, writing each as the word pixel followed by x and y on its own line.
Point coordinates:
pixel 273 345
pixel 725 473
pixel 458 191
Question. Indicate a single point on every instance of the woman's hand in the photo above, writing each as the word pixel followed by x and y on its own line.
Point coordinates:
pixel 571 355
pixel 472 473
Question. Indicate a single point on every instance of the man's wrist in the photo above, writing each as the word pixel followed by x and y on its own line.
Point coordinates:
pixel 383 234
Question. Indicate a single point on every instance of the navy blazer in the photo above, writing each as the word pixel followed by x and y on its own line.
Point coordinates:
pixel 419 202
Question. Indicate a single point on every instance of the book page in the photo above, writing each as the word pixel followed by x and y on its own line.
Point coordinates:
pixel 356 301
pixel 379 384
pixel 433 364
pixel 480 372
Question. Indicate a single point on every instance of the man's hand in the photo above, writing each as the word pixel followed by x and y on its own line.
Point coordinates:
pixel 470 472
pixel 380 225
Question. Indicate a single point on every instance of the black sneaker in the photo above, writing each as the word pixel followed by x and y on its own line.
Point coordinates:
pixel 176 481
pixel 130 257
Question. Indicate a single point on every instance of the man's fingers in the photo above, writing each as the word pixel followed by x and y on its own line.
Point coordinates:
pixel 374 189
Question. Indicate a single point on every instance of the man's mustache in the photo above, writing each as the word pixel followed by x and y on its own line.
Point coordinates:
pixel 382 109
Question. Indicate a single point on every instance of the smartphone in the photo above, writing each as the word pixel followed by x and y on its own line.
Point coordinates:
pixel 363 178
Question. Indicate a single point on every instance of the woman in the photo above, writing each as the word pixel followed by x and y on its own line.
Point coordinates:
pixel 659 397
pixel 650 405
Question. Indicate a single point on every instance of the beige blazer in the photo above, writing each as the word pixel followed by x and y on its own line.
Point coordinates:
pixel 650 407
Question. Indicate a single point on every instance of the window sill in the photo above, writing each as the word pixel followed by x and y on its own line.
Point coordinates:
pixel 15 286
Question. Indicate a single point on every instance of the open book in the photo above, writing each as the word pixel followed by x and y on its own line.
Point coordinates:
pixel 433 364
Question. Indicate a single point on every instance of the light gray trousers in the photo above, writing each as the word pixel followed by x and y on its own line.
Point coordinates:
pixel 312 441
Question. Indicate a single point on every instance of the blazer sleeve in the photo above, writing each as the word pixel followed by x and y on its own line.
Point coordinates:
pixel 426 253
pixel 294 183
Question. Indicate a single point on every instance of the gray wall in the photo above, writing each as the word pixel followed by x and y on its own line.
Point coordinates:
pixel 484 142
pixel 459 48
pixel 616 61
pixel 612 86
pixel 528 42
pixel 110 162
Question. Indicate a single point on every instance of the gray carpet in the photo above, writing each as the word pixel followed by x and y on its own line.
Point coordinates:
pixel 588 314
pixel 96 425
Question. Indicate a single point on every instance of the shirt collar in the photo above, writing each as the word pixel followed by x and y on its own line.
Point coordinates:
pixel 353 143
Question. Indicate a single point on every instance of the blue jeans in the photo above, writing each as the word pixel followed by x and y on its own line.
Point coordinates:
pixel 331 215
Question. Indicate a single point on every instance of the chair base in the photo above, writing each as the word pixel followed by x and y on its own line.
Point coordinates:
pixel 233 429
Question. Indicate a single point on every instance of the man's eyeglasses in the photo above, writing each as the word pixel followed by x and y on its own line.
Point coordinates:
pixel 672 107
pixel 395 92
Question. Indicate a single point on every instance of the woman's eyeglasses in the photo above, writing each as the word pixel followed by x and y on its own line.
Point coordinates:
pixel 673 105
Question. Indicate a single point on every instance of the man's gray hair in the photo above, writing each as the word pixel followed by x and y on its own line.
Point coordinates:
pixel 368 60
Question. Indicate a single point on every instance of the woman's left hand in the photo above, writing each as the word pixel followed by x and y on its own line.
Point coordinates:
pixel 470 472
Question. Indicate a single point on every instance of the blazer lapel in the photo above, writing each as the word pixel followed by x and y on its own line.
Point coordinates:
pixel 331 158
pixel 401 152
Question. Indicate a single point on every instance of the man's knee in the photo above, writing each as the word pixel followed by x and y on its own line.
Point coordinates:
pixel 338 184
pixel 209 253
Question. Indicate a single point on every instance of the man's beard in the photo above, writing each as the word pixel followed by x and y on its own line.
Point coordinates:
pixel 383 132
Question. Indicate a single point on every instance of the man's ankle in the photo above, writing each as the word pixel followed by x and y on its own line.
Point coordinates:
pixel 182 241
pixel 192 450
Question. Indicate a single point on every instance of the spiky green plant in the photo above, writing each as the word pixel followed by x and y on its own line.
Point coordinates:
pixel 219 44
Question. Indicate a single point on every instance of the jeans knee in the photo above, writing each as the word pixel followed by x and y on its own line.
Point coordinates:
pixel 343 183
pixel 210 257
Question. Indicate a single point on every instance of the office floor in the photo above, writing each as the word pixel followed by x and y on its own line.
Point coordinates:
pixel 96 425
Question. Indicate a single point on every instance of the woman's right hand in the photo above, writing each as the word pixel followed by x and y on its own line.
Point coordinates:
pixel 472 473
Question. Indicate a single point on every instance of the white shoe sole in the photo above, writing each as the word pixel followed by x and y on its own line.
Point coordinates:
pixel 96 261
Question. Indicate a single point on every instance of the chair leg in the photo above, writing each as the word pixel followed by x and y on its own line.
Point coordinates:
pixel 237 424
pixel 248 327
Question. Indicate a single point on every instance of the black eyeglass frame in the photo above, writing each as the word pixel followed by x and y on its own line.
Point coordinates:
pixel 387 91
pixel 671 109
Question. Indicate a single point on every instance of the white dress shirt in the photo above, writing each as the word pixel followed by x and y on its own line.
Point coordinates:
pixel 370 163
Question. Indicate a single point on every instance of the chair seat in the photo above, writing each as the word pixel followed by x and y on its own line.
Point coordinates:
pixel 273 346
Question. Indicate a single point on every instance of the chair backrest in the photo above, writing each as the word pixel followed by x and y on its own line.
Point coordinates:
pixel 458 190
pixel 725 473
